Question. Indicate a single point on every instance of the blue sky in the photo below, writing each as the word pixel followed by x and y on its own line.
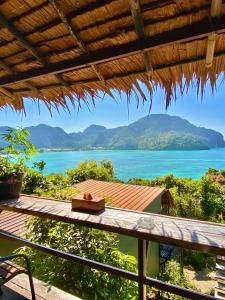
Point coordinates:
pixel 208 112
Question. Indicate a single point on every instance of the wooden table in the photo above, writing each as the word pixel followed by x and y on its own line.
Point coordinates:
pixel 186 233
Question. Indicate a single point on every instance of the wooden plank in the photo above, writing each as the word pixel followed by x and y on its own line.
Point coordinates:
pixel 187 33
pixel 214 12
pixel 139 28
pixel 192 234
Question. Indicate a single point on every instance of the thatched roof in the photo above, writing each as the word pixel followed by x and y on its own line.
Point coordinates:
pixel 50 49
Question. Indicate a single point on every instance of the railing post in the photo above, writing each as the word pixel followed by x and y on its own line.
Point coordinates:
pixel 142 268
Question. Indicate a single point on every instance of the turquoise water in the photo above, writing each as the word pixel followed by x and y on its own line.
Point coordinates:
pixel 138 163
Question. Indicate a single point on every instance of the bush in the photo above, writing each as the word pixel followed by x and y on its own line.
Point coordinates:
pixel 199 260
pixel 80 280
pixel 34 180
pixel 91 170
pixel 213 202
pixel 139 181
pixel 172 274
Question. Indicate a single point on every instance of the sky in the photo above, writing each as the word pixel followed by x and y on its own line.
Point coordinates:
pixel 208 112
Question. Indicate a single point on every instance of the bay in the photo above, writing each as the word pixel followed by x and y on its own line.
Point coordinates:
pixel 140 163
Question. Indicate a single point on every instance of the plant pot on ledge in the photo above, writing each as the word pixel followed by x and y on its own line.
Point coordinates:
pixel 10 186
pixel 13 156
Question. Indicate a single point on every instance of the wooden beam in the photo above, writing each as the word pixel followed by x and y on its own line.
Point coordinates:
pixel 7 93
pixel 82 10
pixel 9 70
pixel 68 24
pixel 139 27
pixel 214 12
pixel 131 73
pixel 98 5
pixel 187 33
pixel 19 36
pixel 106 21
pixel 15 32
pixel 126 30
pixel 73 32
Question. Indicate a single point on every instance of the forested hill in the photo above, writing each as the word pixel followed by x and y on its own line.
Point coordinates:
pixel 154 132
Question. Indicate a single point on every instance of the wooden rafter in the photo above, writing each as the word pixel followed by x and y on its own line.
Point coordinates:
pixel 7 93
pixel 73 32
pixel 139 27
pixel 214 12
pixel 82 10
pixel 131 73
pixel 187 33
pixel 19 36
pixel 10 71
pixel 125 29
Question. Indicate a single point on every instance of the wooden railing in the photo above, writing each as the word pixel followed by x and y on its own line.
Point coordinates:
pixel 202 236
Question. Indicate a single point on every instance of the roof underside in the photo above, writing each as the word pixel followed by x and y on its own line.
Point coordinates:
pixel 127 196
pixel 56 48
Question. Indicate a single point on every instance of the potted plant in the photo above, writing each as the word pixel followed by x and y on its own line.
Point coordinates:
pixel 13 156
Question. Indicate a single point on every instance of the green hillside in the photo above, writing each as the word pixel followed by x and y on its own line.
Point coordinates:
pixel 154 132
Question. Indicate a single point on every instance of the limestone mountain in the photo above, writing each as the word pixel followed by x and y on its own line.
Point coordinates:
pixel 154 132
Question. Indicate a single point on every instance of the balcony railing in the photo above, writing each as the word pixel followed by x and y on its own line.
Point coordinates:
pixel 185 233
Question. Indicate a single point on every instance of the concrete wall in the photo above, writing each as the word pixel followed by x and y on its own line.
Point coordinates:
pixel 129 245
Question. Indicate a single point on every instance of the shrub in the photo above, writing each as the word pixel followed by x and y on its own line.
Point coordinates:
pixel 199 260
pixel 139 181
pixel 91 170
pixel 17 150
pixel 172 274
pixel 34 180
pixel 80 280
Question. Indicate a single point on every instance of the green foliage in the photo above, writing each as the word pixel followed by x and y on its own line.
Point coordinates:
pixel 155 132
pixel 91 170
pixel 33 181
pixel 139 181
pixel 172 140
pixel 198 260
pixel 58 194
pixel 213 202
pixel 39 165
pixel 198 199
pixel 18 149
pixel 80 280
pixel 173 274
pixel 59 185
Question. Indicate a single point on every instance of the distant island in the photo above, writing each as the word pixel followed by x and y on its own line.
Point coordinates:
pixel 153 132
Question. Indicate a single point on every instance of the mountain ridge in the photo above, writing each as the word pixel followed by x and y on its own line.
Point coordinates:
pixel 153 132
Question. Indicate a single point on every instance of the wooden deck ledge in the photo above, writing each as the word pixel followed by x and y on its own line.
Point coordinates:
pixel 186 233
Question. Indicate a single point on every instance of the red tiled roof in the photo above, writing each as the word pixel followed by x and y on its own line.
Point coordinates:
pixel 12 222
pixel 133 197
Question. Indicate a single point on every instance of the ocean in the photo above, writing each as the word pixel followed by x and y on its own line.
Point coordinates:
pixel 140 163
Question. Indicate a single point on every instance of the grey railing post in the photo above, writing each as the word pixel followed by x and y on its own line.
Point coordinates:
pixel 142 268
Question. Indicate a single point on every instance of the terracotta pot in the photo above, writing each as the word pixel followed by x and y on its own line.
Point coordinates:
pixel 10 186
